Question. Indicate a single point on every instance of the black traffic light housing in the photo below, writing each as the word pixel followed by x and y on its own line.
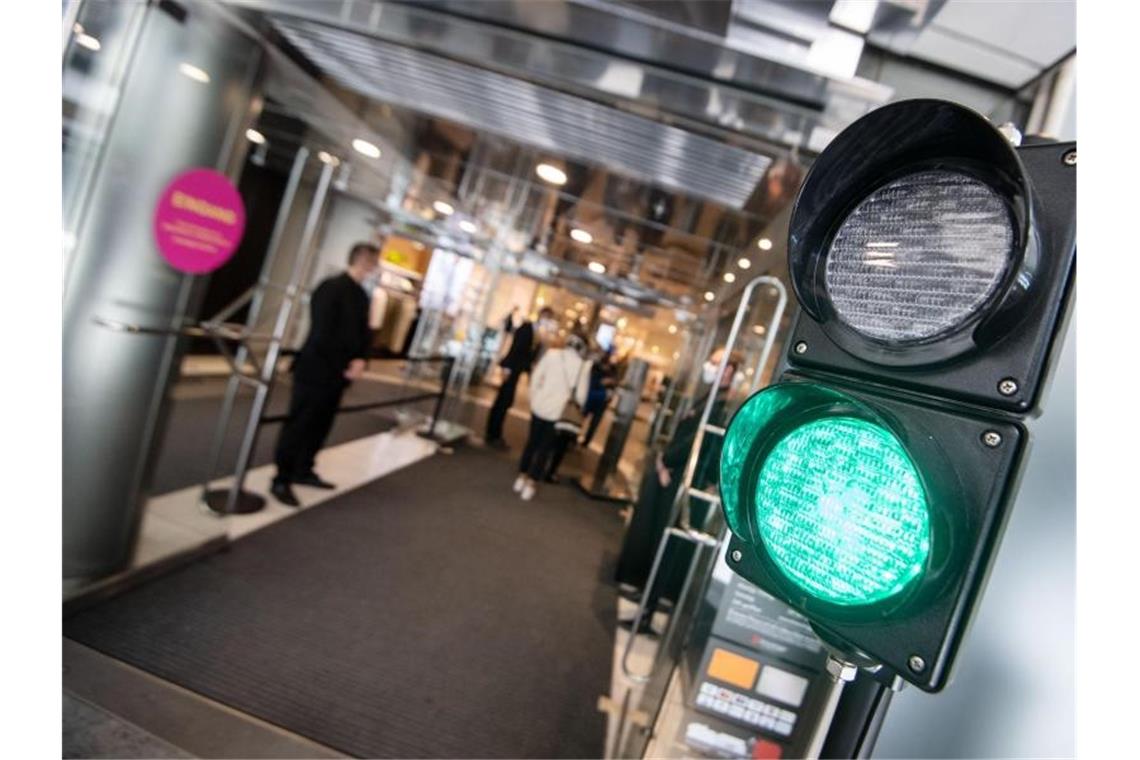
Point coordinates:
pixel 1011 337
pixel 955 402
pixel 969 476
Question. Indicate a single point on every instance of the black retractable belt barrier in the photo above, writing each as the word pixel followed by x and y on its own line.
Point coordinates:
pixel 236 500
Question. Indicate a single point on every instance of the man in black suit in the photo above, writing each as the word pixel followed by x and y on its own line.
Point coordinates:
pixel 519 359
pixel 332 357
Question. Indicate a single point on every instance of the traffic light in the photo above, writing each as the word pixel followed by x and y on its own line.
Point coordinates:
pixel 869 486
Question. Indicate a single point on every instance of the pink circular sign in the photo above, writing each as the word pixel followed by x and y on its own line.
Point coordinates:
pixel 199 221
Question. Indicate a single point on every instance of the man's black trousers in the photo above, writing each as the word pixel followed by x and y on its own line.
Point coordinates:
pixel 503 400
pixel 312 409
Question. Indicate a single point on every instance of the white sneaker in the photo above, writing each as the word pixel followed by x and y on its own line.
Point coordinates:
pixel 520 481
pixel 527 492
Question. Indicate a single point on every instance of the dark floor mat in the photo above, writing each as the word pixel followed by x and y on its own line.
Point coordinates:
pixel 185 450
pixel 431 613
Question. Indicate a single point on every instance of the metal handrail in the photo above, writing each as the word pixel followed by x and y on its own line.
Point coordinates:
pixel 680 508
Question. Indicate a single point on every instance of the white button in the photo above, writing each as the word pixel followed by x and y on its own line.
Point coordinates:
pixel 781 685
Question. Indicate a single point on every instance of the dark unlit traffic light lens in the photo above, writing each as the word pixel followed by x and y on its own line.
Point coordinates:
pixel 920 256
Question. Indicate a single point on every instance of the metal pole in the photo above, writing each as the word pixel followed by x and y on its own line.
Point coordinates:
pixel 770 337
pixel 237 500
pixel 681 503
pixel 258 298
pixel 659 421
pixel 858 716
pixel 823 724
pixel 704 347
pixel 696 537
pixel 447 365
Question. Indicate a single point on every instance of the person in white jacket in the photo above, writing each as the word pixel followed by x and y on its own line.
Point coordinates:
pixel 560 372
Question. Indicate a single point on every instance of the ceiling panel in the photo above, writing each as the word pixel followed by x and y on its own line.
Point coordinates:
pixel 565 125
pixel 1038 31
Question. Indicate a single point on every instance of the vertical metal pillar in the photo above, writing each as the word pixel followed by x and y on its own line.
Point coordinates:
pixel 236 499
pixel 255 305
pixel 115 383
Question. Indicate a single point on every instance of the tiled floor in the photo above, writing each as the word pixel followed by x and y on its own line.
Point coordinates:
pixel 90 731
pixel 177 522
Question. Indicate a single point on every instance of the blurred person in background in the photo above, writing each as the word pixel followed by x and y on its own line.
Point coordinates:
pixel 658 492
pixel 603 379
pixel 561 376
pixel 569 428
pixel 520 357
pixel 334 354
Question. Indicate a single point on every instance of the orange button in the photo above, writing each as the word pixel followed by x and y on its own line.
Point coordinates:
pixel 765 750
pixel 733 669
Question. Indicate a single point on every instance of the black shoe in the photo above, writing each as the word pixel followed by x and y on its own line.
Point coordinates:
pixel 283 492
pixel 553 480
pixel 499 444
pixel 314 480
pixel 645 628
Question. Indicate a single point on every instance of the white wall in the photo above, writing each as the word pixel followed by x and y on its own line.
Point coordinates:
pixel 1012 693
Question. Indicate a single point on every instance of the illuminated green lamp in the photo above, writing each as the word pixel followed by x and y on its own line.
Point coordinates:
pixel 834 501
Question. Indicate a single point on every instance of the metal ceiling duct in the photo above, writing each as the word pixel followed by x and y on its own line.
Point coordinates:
pixel 563 124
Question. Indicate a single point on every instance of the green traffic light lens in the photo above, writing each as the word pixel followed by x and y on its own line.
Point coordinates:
pixel 842 512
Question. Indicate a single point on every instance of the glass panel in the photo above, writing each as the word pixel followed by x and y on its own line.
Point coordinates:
pixel 96 57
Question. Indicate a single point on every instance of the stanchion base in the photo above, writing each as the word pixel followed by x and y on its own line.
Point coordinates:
pixel 247 502
pixel 446 433
pixel 614 489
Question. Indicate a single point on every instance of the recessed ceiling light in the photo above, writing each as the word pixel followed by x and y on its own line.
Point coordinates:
pixel 194 72
pixel 759 329
pixel 365 148
pixel 744 263
pixel 468 227
pixel 597 267
pixel 444 208
pixel 729 277
pixel 709 295
pixel 255 137
pixel 418 245
pixel 621 323
pixel 656 349
pixel 581 236
pixel 676 354
pixel 765 244
pixel 551 174
pixel 672 329
pixel 328 158
pixel 87 41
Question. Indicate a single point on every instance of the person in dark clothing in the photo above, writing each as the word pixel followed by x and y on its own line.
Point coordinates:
pixel 603 379
pixel 332 356
pixel 658 492
pixel 519 359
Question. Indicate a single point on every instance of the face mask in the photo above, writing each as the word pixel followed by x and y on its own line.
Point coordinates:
pixel 708 373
